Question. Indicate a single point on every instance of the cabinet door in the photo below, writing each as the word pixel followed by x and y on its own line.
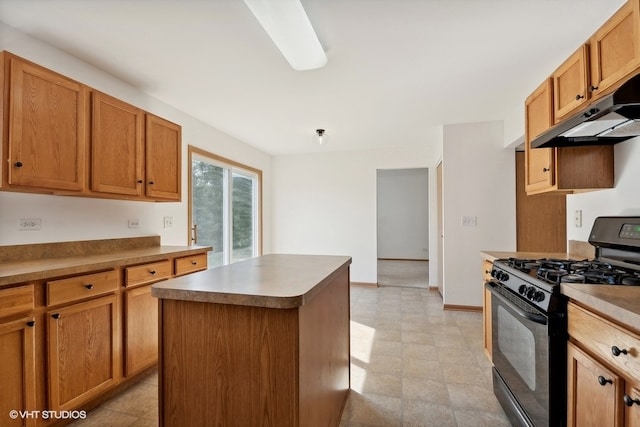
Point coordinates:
pixel 47 129
pixel 539 162
pixel 615 48
pixel 570 84
pixel 17 370
pixel 594 392
pixel 141 329
pixel 632 412
pixel 163 157
pixel 117 140
pixel 83 351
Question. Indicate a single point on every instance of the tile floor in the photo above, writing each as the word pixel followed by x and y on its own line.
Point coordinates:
pixel 413 364
pixel 413 274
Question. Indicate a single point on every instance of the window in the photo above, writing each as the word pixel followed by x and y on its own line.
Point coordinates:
pixel 224 207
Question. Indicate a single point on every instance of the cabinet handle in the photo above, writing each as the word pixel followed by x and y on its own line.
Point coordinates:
pixel 139 181
pixel 545 169
pixel 194 263
pixel 617 351
pixel 579 97
pixel 629 401
pixel 150 182
pixel 593 88
pixel 56 315
pixel 89 286
pixel 152 272
pixel 604 381
pixel 31 323
pixel 18 164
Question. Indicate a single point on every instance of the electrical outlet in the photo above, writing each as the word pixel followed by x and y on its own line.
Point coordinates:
pixel 30 223
pixel 578 218
pixel 469 221
pixel 168 221
pixel 134 223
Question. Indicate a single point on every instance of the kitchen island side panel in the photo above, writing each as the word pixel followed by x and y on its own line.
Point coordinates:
pixel 324 354
pixel 227 365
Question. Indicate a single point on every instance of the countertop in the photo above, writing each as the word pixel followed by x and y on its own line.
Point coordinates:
pixel 273 281
pixel 38 262
pixel 617 302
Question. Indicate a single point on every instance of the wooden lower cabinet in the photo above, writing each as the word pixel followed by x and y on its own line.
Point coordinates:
pixel 595 392
pixel 603 387
pixel 83 351
pixel 17 371
pixel 140 329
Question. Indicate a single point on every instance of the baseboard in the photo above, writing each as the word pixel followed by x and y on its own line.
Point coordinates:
pixel 365 284
pixel 455 307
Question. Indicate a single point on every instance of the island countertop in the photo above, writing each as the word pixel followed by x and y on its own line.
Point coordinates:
pixel 272 281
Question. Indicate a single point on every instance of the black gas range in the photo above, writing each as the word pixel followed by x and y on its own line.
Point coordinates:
pixel 528 313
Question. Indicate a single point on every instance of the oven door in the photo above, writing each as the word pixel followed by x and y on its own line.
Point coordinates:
pixel 527 356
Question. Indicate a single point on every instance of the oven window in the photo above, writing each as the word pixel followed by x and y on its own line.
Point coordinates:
pixel 517 343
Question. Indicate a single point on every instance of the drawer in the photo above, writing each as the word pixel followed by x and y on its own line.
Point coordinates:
pixel 81 287
pixel 599 336
pixel 147 273
pixel 189 264
pixel 16 300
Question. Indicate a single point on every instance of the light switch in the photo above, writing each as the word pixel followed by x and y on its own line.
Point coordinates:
pixel 578 218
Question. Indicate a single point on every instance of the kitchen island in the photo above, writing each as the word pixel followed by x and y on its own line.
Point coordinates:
pixel 260 342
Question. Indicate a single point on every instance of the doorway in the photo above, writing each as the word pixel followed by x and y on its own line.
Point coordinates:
pixel 402 204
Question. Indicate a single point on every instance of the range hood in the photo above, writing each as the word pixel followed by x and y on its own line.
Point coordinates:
pixel 609 120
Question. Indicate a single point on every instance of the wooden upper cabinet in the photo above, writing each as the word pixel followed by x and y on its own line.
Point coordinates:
pixel 570 83
pixel 539 162
pixel 615 48
pixel 47 128
pixel 117 141
pixel 163 158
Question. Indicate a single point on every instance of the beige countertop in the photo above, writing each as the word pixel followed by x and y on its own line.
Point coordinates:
pixel 39 261
pixel 618 302
pixel 274 281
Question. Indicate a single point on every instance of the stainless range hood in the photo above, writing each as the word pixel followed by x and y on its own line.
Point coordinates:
pixel 609 120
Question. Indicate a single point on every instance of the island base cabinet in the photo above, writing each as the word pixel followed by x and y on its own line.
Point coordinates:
pixel 225 364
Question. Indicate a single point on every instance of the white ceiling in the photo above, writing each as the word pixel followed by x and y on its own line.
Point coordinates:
pixel 396 68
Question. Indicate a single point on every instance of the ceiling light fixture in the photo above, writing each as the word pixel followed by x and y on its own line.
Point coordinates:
pixel 288 26
pixel 320 137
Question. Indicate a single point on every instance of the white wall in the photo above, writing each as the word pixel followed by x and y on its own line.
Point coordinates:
pixel 70 218
pixel 623 199
pixel 325 203
pixel 478 181
pixel 403 213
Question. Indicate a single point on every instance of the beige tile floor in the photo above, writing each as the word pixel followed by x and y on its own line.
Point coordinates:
pixel 413 364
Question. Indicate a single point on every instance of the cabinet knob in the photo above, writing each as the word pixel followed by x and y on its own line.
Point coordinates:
pixel 139 181
pixel 593 88
pixel 579 97
pixel 604 381
pixel 629 401
pixel 617 351
pixel 31 323
pixel 152 272
pixel 194 263
pixel 18 164
pixel 88 286
pixel 150 182
pixel 545 169
pixel 56 315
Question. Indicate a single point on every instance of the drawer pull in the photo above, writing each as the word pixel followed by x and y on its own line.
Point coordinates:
pixel 56 315
pixel 617 351
pixel 629 401
pixel 604 381
pixel 194 263
pixel 89 286
pixel 152 272
pixel 31 323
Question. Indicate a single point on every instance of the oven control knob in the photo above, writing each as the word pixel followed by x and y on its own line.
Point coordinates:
pixel 502 276
pixel 531 293
pixel 522 289
pixel 539 297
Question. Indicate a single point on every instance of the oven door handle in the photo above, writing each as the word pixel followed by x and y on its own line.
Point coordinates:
pixel 537 318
